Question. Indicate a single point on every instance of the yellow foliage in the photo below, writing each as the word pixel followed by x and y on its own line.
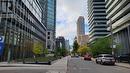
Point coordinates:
pixel 83 49
pixel 38 48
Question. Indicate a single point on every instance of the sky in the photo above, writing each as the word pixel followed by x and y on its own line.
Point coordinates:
pixel 68 12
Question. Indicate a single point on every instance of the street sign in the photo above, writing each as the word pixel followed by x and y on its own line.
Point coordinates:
pixel 1 48
pixel 1 39
pixel 1 44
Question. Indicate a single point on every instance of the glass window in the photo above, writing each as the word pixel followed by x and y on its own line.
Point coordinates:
pixel 4 6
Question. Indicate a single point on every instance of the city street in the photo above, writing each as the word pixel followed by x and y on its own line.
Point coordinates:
pixel 76 65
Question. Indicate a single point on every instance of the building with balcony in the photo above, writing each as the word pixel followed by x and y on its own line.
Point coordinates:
pixel 97 19
pixel 21 25
pixel 118 15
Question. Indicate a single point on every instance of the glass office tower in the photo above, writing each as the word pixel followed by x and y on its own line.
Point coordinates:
pixel 21 25
pixel 49 19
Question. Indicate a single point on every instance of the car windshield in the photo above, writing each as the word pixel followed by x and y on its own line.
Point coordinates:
pixel 108 56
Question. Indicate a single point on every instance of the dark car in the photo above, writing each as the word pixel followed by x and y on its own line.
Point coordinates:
pixel 124 58
pixel 87 57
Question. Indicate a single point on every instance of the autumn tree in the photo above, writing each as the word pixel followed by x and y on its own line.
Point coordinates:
pixel 38 48
pixel 82 50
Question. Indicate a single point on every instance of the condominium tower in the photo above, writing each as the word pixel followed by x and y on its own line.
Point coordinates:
pixel 97 19
pixel 118 15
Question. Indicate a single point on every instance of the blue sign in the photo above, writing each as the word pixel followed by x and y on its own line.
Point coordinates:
pixel 1 48
pixel 1 45
pixel 1 38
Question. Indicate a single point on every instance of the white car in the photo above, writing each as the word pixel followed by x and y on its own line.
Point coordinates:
pixel 105 59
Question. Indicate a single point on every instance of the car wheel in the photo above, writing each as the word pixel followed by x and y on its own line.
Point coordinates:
pixel 101 62
pixel 113 64
pixel 96 61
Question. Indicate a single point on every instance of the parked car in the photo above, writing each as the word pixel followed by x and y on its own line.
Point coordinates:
pixel 124 58
pixel 87 57
pixel 105 59
pixel 74 56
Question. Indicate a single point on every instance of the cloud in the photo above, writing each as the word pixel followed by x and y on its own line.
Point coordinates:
pixel 68 12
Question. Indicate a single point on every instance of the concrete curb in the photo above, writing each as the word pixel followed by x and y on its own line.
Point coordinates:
pixel 21 65
pixel 27 64
pixel 125 66
pixel 55 61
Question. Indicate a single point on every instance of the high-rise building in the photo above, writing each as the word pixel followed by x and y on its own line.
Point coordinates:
pixel 21 26
pixel 118 15
pixel 84 39
pixel 97 19
pixel 60 42
pixel 80 28
pixel 67 45
pixel 49 19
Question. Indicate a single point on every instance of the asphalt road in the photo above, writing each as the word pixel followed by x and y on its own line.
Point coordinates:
pixel 76 65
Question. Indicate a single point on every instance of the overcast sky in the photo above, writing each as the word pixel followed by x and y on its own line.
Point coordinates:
pixel 68 12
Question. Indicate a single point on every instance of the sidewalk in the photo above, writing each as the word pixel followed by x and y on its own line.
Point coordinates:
pixel 125 65
pixel 60 62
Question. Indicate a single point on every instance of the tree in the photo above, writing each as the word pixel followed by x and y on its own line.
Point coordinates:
pixel 38 48
pixel 61 52
pixel 75 47
pixel 101 45
pixel 117 48
pixel 64 52
pixel 45 51
pixel 57 52
pixel 83 50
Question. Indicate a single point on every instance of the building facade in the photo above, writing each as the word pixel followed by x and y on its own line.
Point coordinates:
pixel 50 41
pixel 84 39
pixel 97 19
pixel 21 25
pixel 60 42
pixel 67 45
pixel 118 15
pixel 49 19
pixel 80 28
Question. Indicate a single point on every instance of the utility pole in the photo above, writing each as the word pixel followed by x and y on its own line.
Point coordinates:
pixel 112 37
pixel 128 29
